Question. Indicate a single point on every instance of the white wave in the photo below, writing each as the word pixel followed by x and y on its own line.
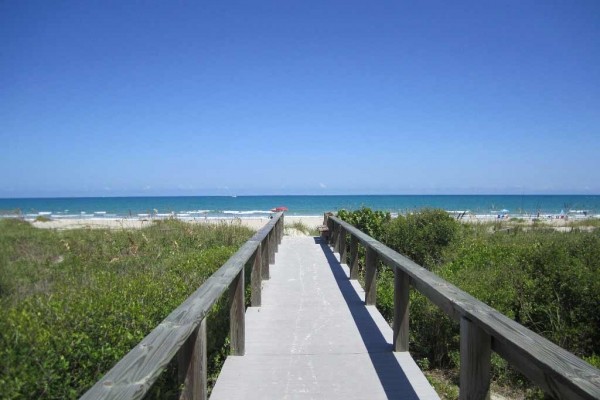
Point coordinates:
pixel 45 213
pixel 247 212
pixel 100 212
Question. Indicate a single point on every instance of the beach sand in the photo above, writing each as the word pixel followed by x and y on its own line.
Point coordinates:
pixel 126 223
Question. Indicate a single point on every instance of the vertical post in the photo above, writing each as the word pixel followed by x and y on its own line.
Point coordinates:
pixel 264 271
pixel 275 232
pixel 237 315
pixel 272 245
pixel 370 277
pixel 256 278
pixel 400 325
pixel 330 227
pixel 336 236
pixel 475 353
pixel 342 245
pixel 353 257
pixel 281 228
pixel 192 365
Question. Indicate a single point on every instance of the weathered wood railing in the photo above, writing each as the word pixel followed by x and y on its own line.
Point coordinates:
pixel 183 332
pixel 482 329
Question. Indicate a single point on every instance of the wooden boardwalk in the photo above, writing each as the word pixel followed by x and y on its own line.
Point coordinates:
pixel 313 337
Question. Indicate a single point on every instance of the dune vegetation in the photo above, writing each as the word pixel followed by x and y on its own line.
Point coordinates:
pixel 546 280
pixel 74 302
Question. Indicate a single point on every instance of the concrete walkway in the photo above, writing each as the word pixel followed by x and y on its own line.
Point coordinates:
pixel 313 337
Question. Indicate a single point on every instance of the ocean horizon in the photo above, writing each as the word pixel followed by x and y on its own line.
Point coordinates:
pixel 298 205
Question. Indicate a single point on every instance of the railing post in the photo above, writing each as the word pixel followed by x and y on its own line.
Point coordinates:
pixel 272 244
pixel 330 225
pixel 281 228
pixel 353 257
pixel 256 278
pixel 192 365
pixel 237 315
pixel 475 353
pixel 275 232
pixel 370 277
pixel 264 271
pixel 336 236
pixel 401 298
pixel 342 245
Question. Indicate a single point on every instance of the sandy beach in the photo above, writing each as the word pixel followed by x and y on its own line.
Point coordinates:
pixel 256 223
pixel 128 223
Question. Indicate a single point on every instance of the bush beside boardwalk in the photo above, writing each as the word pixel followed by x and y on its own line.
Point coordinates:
pixel 74 302
pixel 546 280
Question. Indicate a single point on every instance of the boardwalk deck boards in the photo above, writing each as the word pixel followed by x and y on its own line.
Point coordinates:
pixel 313 337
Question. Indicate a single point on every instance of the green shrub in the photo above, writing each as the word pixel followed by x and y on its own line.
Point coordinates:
pixel 422 236
pixel 74 302
pixel 369 221
pixel 546 280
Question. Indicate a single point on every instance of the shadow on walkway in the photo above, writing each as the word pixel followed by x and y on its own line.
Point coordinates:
pixel 393 379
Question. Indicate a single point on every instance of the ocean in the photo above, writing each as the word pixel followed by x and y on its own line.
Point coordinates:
pixel 260 206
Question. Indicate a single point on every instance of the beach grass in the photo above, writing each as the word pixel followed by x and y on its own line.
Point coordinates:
pixel 74 302
pixel 301 227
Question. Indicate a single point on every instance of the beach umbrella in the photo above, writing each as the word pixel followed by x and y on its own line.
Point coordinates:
pixel 279 209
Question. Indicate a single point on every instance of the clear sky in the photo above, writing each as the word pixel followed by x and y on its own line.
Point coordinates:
pixel 101 98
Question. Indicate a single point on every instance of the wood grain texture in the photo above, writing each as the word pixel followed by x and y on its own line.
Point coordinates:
pixel 265 270
pixel 193 366
pixel 342 246
pixel 135 373
pixel 336 236
pixel 475 356
pixel 401 303
pixel 330 227
pixel 371 277
pixel 272 242
pixel 256 278
pixel 555 370
pixel 353 257
pixel 237 316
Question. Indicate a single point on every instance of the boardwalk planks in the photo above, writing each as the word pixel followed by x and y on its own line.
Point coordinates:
pixel 135 373
pixel 557 371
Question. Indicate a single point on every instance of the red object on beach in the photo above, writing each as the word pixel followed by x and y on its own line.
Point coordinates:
pixel 279 209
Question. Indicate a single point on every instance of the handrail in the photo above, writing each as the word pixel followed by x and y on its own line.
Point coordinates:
pixel 183 331
pixel 482 328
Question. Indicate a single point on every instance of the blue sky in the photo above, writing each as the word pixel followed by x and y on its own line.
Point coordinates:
pixel 299 97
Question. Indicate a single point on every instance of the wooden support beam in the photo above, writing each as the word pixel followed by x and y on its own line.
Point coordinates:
pixel 342 245
pixel 264 271
pixel 370 277
pixel 475 355
pixel 276 237
pixel 237 315
pixel 336 236
pixel 401 302
pixel 353 257
pixel 281 228
pixel 256 278
pixel 272 247
pixel 192 365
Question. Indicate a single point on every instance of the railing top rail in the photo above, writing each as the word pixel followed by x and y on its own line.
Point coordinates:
pixel 135 373
pixel 550 366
